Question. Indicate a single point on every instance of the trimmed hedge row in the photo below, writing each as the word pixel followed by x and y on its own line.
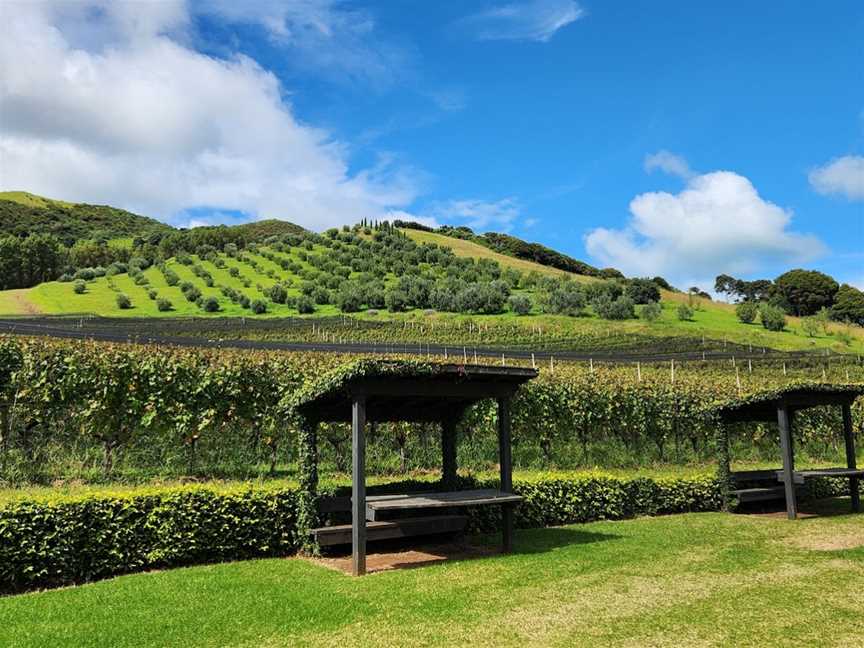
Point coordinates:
pixel 79 539
pixel 53 543
pixel 558 501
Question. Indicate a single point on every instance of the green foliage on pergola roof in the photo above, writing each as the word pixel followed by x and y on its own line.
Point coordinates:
pixel 335 387
pixel 762 404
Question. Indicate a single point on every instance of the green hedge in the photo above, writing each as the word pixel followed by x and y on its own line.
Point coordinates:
pixel 556 501
pixel 52 542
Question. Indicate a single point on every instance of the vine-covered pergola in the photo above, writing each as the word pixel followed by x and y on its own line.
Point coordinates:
pixel 781 406
pixel 373 391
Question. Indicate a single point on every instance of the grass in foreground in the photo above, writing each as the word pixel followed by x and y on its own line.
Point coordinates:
pixel 697 579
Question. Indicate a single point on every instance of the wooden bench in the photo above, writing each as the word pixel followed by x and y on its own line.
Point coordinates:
pixel 379 505
pixel 767 492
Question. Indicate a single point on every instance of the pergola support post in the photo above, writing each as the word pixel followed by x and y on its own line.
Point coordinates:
pixel 448 453
pixel 506 471
pixel 307 507
pixel 849 437
pixel 358 485
pixel 784 422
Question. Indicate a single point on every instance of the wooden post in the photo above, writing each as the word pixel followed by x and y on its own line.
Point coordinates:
pixel 448 452
pixel 506 471
pixel 358 486
pixel 849 436
pixel 784 423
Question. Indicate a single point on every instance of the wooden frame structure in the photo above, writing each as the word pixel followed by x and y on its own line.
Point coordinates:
pixel 782 406
pixel 388 392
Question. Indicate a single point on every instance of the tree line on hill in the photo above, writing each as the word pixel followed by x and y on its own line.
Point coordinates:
pixel 518 248
pixel 73 222
pixel 803 293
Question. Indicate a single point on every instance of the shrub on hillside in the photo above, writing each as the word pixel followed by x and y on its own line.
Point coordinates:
pixel 746 312
pixel 600 290
pixel 123 301
pixel 642 291
pixel 171 277
pixel 152 294
pixel 164 305
pixel 80 287
pixel 258 306
pixel 349 298
pixel 321 296
pixel 305 305
pixel 566 298
pixel 772 317
pixel 811 326
pixel 651 311
pixel 277 294
pixel 208 304
pixel 192 294
pixel 621 308
pixel 395 300
pixel 685 312
pixel 520 304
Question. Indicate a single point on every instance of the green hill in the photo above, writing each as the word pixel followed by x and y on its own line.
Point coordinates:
pixel 413 284
pixel 23 213
pixel 416 287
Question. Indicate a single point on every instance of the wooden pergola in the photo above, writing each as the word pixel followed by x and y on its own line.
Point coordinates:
pixel 781 406
pixel 381 391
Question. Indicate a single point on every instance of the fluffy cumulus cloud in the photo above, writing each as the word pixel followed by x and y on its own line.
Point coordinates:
pixel 106 102
pixel 478 214
pixel 717 224
pixel 529 20
pixel 843 176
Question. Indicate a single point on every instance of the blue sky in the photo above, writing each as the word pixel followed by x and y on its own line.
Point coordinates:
pixel 675 138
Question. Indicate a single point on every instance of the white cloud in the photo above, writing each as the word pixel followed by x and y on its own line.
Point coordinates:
pixel 843 175
pixel 133 117
pixel 479 214
pixel 668 163
pixel 717 224
pixel 530 20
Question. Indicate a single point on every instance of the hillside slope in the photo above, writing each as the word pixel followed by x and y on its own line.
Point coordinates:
pixel 469 249
pixel 23 213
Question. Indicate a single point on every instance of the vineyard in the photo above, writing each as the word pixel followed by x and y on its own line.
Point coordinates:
pixel 97 412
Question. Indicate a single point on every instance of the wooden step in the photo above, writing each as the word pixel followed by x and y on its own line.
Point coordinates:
pixel 389 529
pixel 746 495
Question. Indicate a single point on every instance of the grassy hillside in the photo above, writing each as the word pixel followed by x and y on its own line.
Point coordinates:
pixel 469 249
pixel 22 213
pixel 441 285
pixel 252 273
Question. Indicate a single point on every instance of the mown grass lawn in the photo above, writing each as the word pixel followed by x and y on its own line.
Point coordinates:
pixel 695 580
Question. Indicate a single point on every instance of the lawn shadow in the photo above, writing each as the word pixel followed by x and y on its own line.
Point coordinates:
pixel 531 541
pixel 410 553
pixel 807 509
